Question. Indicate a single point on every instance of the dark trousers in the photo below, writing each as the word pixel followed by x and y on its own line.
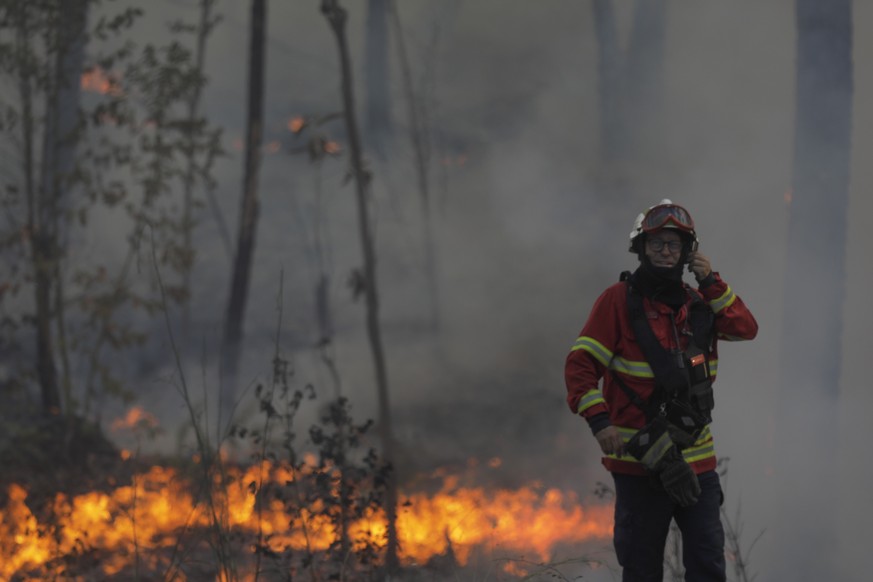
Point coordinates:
pixel 643 513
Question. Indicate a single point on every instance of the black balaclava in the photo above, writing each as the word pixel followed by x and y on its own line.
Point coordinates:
pixel 662 284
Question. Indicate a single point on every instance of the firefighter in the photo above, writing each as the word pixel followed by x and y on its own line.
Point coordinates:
pixel 641 375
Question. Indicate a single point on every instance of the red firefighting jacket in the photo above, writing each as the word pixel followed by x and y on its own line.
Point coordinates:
pixel 607 345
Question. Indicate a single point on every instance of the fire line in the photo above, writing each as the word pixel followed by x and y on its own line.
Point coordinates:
pixel 147 517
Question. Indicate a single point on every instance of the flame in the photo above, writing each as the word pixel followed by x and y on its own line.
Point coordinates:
pixel 521 520
pixel 143 522
pixel 97 80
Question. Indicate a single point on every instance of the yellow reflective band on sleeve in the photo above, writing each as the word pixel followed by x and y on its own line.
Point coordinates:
pixel 713 367
pixel 593 347
pixel 591 398
pixel 632 368
pixel 730 338
pixel 723 301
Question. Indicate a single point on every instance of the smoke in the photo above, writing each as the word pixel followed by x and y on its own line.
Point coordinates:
pixel 526 240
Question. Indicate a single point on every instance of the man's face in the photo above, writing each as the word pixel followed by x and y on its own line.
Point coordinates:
pixel 669 245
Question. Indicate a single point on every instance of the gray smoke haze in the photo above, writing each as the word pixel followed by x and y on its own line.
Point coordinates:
pixel 526 242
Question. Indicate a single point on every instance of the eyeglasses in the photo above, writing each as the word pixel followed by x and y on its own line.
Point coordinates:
pixel 657 245
pixel 661 215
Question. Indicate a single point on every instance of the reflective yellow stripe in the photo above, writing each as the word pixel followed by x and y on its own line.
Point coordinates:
pixel 730 338
pixel 706 434
pixel 591 398
pixel 593 347
pixel 626 433
pixel 657 450
pixel 723 301
pixel 632 367
pixel 635 368
pixel 643 370
pixel 700 450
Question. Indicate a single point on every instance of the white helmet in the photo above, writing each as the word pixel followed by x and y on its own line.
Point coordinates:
pixel 664 214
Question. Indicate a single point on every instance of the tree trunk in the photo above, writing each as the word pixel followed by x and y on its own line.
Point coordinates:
pixel 815 289
pixel 645 71
pixel 378 119
pixel 630 94
pixel 613 124
pixel 336 16
pixel 58 162
pixel 40 238
pixel 242 266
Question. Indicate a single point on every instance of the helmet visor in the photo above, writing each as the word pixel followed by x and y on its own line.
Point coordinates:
pixel 665 215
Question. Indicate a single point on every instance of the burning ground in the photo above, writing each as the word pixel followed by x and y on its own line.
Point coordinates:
pixel 219 519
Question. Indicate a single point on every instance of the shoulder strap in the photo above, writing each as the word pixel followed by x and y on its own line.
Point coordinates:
pixel 667 368
pixel 702 321
pixel 635 398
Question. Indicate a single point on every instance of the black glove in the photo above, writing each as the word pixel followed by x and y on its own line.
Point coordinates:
pixel 678 478
pixel 654 449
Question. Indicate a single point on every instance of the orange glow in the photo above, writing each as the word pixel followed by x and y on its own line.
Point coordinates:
pixel 145 520
pixel 789 194
pixel 97 80
pixel 135 417
pixel 332 148
pixel 296 124
pixel 521 520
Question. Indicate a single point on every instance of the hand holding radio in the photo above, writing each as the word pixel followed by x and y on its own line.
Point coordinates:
pixel 698 264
